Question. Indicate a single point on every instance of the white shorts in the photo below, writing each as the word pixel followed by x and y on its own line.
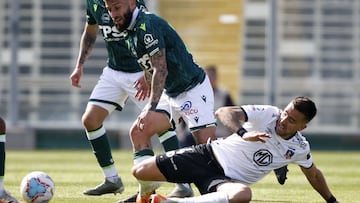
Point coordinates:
pixel 195 106
pixel 114 88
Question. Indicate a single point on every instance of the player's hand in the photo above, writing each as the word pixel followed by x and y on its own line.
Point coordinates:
pixel 143 90
pixel 143 120
pixel 76 76
pixel 256 136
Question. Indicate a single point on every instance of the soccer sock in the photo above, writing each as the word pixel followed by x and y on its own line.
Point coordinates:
pixel 142 155
pixel 101 148
pixel 145 187
pixel 169 140
pixel 214 197
pixel 2 161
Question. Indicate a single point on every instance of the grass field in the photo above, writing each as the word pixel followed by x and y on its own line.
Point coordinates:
pixel 74 171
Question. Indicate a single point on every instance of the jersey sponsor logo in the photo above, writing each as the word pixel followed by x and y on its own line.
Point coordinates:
pixel 188 110
pixel 263 157
pixel 111 33
pixel 186 106
pixel 149 40
pixel 191 111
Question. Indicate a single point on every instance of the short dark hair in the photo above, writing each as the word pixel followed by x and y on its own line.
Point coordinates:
pixel 306 106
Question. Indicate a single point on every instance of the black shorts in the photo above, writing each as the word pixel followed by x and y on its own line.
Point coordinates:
pixel 195 164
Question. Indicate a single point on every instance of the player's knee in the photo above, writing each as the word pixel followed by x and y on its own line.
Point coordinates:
pixel 135 170
pixel 138 171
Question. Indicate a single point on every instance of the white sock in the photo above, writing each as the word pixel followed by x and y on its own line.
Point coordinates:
pixel 111 174
pixel 2 188
pixel 146 187
pixel 214 197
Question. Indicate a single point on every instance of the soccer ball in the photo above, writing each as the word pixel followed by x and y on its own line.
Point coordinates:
pixel 37 187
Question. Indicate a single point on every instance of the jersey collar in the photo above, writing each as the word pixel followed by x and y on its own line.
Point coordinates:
pixel 133 19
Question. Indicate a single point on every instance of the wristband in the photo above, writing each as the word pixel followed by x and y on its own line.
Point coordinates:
pixel 332 199
pixel 241 131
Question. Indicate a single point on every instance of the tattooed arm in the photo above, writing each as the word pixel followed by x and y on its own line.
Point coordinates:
pixel 158 79
pixel 87 42
pixel 231 116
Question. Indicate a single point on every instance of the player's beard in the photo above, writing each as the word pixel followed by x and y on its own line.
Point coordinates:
pixel 127 21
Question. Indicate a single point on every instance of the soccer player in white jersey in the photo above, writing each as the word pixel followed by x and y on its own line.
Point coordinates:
pixel 266 138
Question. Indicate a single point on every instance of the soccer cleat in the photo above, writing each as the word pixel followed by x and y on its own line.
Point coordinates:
pixel 105 188
pixel 182 191
pixel 130 199
pixel 7 198
pixel 157 198
pixel 144 198
pixel 281 174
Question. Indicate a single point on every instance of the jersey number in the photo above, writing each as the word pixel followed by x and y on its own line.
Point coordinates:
pixel 145 63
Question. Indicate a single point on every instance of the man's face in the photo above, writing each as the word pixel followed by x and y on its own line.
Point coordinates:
pixel 121 12
pixel 290 121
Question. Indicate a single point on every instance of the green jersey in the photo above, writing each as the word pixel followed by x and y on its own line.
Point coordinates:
pixel 119 57
pixel 150 33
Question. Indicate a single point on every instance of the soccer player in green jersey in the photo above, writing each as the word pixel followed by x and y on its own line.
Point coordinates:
pixel 4 196
pixel 180 89
pixel 121 79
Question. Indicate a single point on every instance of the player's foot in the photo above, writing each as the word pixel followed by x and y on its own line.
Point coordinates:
pixel 106 187
pixel 181 191
pixel 281 174
pixel 157 198
pixel 130 199
pixel 5 197
pixel 144 198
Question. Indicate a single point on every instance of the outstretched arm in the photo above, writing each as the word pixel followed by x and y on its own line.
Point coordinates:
pixel 87 42
pixel 317 181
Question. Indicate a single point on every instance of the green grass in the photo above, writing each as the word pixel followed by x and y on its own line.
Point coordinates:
pixel 74 171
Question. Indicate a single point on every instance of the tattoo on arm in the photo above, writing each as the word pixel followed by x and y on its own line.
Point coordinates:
pixel 160 73
pixel 231 117
pixel 148 77
pixel 86 45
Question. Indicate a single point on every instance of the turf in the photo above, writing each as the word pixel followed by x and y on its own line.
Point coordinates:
pixel 74 171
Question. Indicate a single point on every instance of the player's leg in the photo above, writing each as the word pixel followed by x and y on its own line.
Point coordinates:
pixel 181 189
pixel 229 192
pixel 4 196
pixel 197 109
pixel 168 139
pixel 104 99
pixel 140 135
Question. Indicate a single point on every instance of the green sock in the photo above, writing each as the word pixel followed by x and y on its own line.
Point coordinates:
pixel 169 140
pixel 102 150
pixel 2 159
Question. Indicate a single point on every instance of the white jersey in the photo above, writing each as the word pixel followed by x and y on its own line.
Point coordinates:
pixel 248 161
